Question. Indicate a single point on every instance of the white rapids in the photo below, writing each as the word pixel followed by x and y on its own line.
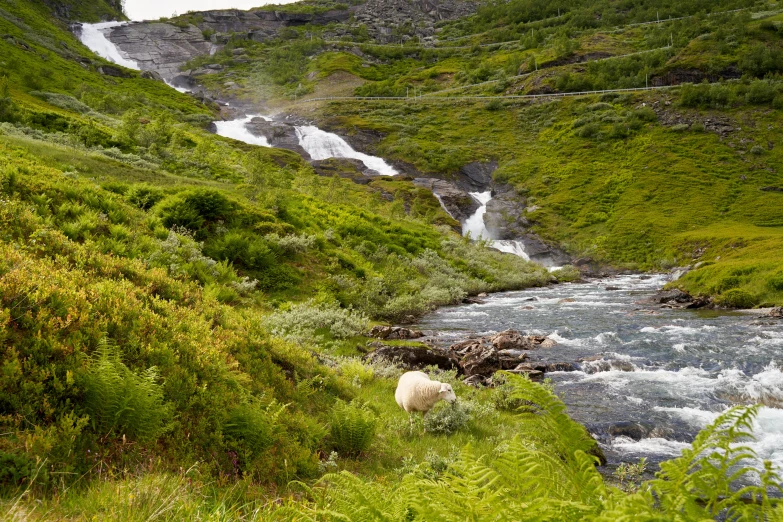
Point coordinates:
pixel 236 129
pixel 475 227
pixel 94 37
pixel 669 372
pixel 321 145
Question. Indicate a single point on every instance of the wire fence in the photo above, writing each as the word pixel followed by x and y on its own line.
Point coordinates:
pixel 412 99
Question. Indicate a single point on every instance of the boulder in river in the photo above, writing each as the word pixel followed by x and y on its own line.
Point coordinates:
pixel 394 332
pixel 673 296
pixel 483 360
pixel 514 340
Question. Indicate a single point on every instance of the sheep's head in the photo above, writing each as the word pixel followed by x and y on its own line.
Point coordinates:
pixel 446 393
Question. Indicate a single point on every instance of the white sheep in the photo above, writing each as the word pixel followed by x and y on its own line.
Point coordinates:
pixel 416 392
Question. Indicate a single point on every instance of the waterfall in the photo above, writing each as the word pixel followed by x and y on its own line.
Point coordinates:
pixel 320 145
pixel 94 37
pixel 236 129
pixel 475 227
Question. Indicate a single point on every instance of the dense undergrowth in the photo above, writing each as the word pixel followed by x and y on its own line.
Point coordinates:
pixel 180 313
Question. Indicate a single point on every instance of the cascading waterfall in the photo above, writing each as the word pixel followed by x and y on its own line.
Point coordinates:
pixel 321 145
pixel 475 227
pixel 94 37
pixel 237 130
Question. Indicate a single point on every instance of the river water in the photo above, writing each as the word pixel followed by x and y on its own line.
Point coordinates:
pixel 656 376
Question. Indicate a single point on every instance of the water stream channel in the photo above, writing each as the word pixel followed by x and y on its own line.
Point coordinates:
pixel 648 378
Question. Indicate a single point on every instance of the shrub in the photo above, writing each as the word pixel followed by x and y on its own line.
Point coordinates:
pixel 447 419
pixel 567 273
pixel 736 298
pixel 776 281
pixel 144 196
pixel 589 130
pixel 252 426
pixel 352 427
pixel 120 402
pixel 241 248
pixel 303 321
pixel 196 209
pixel 680 127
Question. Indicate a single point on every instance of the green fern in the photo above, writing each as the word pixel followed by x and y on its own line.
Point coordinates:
pixel 352 428
pixel 120 402
pixel 538 477
pixel 253 425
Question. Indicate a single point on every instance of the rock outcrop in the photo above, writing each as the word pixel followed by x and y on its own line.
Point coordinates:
pixel 413 357
pixel 279 134
pixel 459 204
pixel 394 332
pixel 160 47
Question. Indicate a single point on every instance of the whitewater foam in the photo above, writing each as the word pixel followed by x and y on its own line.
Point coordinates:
pixel 237 130
pixel 94 37
pixel 321 145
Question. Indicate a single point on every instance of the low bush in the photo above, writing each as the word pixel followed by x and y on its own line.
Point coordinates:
pixel 567 273
pixel 736 298
pixel 302 322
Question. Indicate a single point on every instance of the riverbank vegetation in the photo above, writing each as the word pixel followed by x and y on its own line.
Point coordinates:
pixel 182 320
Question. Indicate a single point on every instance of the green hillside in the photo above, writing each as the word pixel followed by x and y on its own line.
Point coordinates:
pixel 677 176
pixel 182 316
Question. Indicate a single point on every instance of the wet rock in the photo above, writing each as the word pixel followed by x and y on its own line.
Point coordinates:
pixel 483 360
pixel 699 302
pixel 561 367
pixel 776 312
pixel 458 203
pixel 347 168
pixel 151 75
pixel 473 300
pixel 463 347
pixel 528 369
pixel 113 70
pixel 678 272
pixel 160 47
pixel 673 296
pixel 503 217
pixel 414 357
pixel 478 174
pixel 394 332
pixel 510 359
pixel 510 340
pixel 279 134
pixel 477 381
pixel 628 429
pixel 612 288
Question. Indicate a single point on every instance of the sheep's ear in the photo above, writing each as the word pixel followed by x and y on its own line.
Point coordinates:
pixel 444 387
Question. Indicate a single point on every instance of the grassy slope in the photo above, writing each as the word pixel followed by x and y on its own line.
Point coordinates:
pixel 630 188
pixel 103 290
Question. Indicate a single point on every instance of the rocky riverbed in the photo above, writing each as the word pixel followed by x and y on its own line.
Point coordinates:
pixel 644 370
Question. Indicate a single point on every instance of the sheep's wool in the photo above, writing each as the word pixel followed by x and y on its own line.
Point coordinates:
pixel 416 392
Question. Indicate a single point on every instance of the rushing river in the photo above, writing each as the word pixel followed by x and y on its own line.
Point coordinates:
pixel 653 377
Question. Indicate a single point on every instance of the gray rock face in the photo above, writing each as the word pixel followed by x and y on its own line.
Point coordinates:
pixel 477 176
pixel 278 134
pixel 382 16
pixel 458 203
pixel 504 217
pixel 160 47
pixel 413 357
